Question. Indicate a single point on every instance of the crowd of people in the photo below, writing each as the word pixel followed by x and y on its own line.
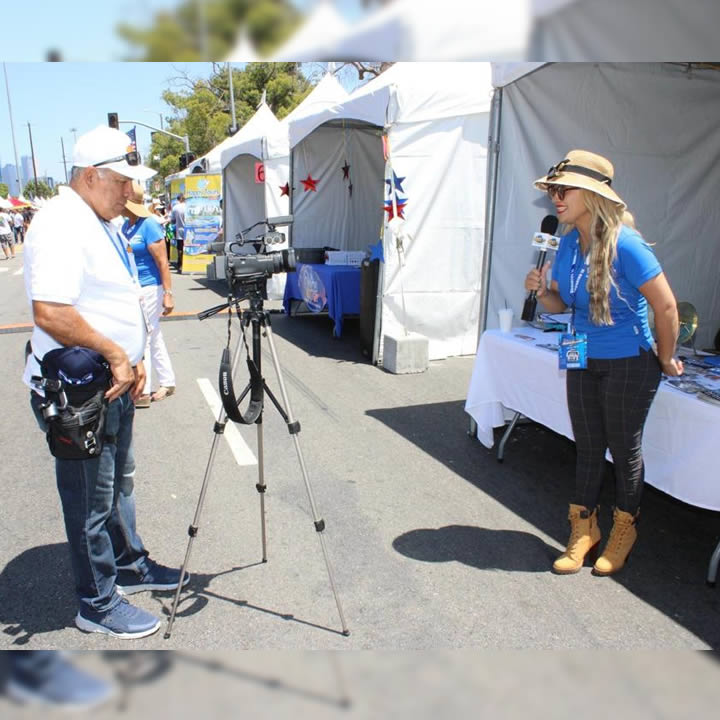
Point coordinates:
pixel 13 225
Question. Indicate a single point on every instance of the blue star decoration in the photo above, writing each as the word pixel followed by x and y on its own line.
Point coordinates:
pixel 396 181
pixel 376 252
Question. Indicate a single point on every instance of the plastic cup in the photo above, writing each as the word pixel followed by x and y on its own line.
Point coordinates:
pixel 506 316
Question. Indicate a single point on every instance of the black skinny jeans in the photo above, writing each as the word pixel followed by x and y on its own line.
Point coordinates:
pixel 608 404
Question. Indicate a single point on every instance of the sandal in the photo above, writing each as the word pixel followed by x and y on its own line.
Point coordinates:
pixel 163 392
pixel 143 401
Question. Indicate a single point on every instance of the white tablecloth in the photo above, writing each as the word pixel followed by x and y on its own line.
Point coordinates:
pixel 681 444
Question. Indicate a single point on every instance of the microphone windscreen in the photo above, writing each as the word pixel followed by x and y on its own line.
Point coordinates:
pixel 549 225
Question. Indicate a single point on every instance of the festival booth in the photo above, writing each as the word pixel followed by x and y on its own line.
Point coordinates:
pixel 409 145
pixel 657 123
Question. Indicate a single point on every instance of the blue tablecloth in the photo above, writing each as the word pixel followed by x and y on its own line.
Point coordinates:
pixel 342 289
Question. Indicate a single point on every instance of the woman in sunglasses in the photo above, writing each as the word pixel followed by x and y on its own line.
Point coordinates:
pixel 606 275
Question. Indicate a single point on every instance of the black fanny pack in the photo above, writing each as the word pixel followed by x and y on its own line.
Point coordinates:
pixel 74 380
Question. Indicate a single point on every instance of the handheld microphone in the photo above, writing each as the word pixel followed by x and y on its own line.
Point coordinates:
pixel 544 240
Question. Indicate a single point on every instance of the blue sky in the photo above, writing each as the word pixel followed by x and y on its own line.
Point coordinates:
pixel 84 30
pixel 56 97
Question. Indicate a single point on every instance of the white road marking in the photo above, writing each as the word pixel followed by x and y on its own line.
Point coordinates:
pixel 19 272
pixel 243 454
pixel 4 269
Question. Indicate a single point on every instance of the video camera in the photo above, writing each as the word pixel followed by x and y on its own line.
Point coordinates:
pixel 243 271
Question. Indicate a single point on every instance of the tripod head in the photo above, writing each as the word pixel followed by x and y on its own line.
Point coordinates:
pixel 253 291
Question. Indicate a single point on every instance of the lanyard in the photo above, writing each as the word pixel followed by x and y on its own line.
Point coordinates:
pixel 574 285
pixel 130 230
pixel 120 249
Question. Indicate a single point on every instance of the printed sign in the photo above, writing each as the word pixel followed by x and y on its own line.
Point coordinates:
pixel 202 212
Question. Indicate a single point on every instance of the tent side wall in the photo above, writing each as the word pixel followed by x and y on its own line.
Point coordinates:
pixel 246 202
pixel 338 215
pixel 444 166
pixel 658 125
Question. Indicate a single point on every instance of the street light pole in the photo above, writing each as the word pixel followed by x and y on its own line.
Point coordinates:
pixel 233 128
pixel 159 114
pixel 32 154
pixel 62 145
pixel 12 131
pixel 184 138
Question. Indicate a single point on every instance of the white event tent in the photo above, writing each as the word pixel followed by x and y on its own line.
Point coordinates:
pixel 435 117
pixel 266 140
pixel 409 29
pixel 657 123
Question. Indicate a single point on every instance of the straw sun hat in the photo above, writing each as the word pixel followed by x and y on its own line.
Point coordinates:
pixel 583 169
pixel 135 203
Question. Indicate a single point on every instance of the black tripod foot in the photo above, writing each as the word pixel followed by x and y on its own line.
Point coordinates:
pixel 346 633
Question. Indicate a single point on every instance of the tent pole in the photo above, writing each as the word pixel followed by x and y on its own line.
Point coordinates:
pixel 490 198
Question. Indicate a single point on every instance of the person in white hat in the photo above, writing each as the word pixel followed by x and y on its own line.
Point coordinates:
pixel 84 291
pixel 607 275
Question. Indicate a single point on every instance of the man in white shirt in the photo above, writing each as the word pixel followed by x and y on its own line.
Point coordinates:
pixel 83 288
pixel 7 239
pixel 177 218
pixel 19 227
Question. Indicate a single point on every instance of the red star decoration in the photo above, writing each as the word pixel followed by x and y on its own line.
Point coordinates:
pixel 400 209
pixel 285 189
pixel 310 183
pixel 346 171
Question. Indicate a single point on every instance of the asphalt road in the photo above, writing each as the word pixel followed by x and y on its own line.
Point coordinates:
pixel 434 545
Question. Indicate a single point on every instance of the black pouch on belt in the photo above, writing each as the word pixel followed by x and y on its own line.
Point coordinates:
pixel 75 380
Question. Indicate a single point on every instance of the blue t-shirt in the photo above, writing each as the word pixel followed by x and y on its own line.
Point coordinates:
pixel 634 265
pixel 144 232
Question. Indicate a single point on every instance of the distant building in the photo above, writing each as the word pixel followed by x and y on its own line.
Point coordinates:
pixel 50 182
pixel 27 169
pixel 10 178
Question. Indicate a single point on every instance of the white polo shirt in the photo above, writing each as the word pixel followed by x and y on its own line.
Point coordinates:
pixel 70 258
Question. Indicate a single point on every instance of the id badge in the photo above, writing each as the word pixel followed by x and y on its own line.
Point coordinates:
pixel 572 351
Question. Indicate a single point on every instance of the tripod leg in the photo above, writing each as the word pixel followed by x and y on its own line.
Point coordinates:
pixel 218 429
pixel 261 487
pixel 294 428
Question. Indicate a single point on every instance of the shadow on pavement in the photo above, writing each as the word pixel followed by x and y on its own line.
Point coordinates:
pixel 314 335
pixel 669 563
pixel 482 548
pixel 36 588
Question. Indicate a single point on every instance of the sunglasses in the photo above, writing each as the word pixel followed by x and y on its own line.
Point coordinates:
pixel 559 190
pixel 132 158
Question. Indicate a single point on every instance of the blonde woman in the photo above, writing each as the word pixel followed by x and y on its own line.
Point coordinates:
pixel 606 274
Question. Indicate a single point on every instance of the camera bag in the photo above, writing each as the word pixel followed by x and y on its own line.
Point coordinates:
pixel 75 380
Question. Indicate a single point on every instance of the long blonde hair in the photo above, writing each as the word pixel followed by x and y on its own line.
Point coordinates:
pixel 606 219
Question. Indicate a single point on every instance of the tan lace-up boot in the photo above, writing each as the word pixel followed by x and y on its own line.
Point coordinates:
pixel 584 540
pixel 622 538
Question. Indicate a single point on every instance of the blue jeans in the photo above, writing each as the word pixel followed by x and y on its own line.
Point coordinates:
pixel 99 509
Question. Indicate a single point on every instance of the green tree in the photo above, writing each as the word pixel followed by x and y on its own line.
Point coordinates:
pixel 202 107
pixel 186 33
pixel 4 190
pixel 37 189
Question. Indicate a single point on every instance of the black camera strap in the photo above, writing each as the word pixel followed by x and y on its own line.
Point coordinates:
pixel 230 402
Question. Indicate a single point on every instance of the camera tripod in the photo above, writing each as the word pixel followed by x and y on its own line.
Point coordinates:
pixel 257 318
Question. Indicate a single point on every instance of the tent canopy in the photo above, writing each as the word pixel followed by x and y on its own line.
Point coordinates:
pixel 435 117
pixel 657 123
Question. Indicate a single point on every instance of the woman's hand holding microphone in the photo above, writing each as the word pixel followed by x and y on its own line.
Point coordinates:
pixel 537 280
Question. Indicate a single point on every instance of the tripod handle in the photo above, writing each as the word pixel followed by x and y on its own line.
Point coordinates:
pixel 204 314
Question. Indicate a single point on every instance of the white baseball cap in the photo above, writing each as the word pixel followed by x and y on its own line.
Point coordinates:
pixel 109 148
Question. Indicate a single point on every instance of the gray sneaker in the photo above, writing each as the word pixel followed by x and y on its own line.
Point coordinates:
pixel 58 684
pixel 122 621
